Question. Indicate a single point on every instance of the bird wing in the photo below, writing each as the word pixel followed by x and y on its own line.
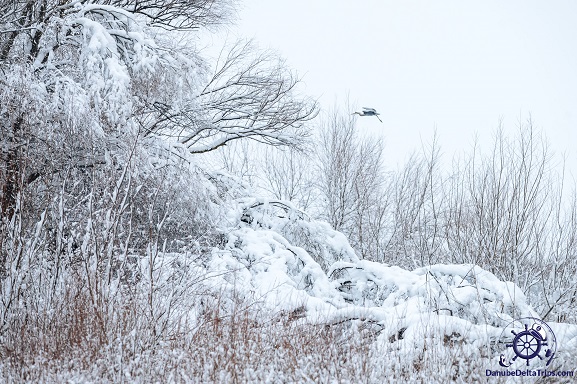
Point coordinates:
pixel 370 109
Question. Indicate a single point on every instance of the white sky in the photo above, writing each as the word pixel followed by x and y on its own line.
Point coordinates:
pixel 459 66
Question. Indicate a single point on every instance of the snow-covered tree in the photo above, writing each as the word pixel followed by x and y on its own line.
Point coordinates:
pixel 108 70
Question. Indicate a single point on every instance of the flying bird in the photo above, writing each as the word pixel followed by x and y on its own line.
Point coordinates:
pixel 369 112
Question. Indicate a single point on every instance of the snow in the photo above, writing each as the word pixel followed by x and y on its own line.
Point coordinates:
pixel 279 258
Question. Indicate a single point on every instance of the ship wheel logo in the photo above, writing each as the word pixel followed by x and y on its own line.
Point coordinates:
pixel 535 339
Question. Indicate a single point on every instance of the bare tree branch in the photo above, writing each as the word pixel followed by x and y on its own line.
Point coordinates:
pixel 251 95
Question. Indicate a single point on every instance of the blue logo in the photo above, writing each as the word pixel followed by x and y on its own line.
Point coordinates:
pixel 531 338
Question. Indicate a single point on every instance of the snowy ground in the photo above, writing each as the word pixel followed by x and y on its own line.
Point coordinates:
pixel 284 298
pixel 305 272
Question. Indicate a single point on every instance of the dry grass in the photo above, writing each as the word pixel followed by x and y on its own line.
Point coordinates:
pixel 240 345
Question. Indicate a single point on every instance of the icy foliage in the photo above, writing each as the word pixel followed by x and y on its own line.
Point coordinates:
pixel 305 272
pixel 300 271
pixel 293 262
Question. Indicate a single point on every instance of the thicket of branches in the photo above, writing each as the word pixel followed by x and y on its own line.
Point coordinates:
pixel 506 208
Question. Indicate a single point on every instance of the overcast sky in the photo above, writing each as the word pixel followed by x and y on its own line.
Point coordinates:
pixel 459 66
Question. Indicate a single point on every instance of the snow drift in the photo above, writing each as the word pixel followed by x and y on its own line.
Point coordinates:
pixel 302 270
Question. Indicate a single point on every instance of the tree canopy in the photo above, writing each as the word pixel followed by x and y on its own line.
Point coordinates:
pixel 78 78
